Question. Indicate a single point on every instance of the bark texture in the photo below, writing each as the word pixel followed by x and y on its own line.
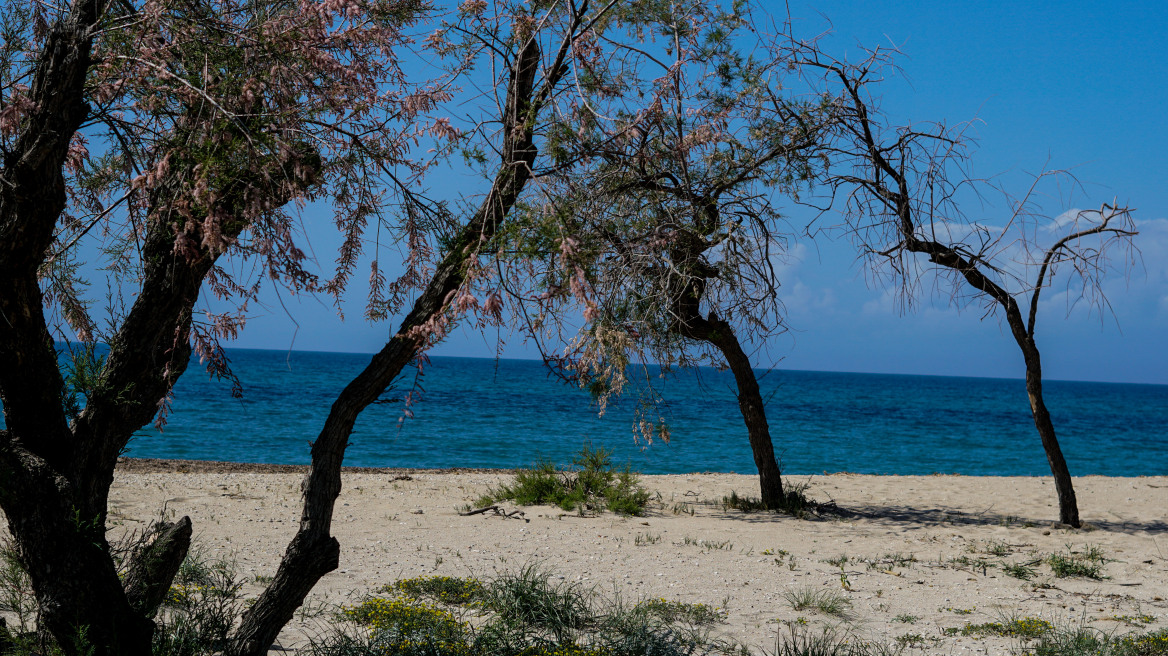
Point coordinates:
pixel 887 181
pixel 153 567
pixel 313 552
pixel 721 335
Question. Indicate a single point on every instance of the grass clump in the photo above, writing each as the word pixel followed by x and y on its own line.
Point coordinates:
pixel 1086 564
pixel 793 502
pixel 527 613
pixel 590 484
pixel 827 602
pixel 1084 641
pixel 830 642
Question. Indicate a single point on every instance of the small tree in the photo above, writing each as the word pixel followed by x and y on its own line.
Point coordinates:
pixel 900 187
pixel 210 120
pixel 667 231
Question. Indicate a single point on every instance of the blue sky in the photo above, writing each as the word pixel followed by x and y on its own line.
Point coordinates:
pixel 1068 85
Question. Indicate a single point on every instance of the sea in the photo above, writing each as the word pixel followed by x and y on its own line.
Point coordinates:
pixel 472 412
pixel 502 413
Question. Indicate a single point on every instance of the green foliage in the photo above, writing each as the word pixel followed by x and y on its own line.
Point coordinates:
pixel 81 377
pixel 17 603
pixel 1085 641
pixel 829 642
pixel 531 599
pixel 451 590
pixel 1087 564
pixel 1017 627
pixel 828 602
pixel 528 613
pixel 680 611
pixel 407 626
pixel 1019 571
pixel 794 502
pixel 590 485
pixel 200 608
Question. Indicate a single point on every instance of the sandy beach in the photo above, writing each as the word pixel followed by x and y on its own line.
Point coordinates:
pixel 923 553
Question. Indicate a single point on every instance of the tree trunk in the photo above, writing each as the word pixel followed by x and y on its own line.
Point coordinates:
pixel 721 334
pixel 750 403
pixel 153 567
pixel 1068 505
pixel 313 552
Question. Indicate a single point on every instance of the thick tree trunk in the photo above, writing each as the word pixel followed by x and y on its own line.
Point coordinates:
pixel 63 547
pixel 313 552
pixel 81 600
pixel 1064 488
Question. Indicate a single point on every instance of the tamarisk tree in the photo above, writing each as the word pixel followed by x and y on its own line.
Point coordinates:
pixel 170 136
pixel 667 233
pixel 533 50
pixel 899 188
pixel 211 120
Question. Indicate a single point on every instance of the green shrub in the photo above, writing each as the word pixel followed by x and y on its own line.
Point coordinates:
pixel 589 485
pixel 200 608
pixel 827 602
pixel 445 589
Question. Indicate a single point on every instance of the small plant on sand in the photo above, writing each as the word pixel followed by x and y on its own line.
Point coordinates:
pixel 906 619
pixel 794 502
pixel 1086 641
pixel 589 485
pixel 680 611
pixel 451 590
pixel 642 539
pixel 1086 564
pixel 1015 627
pixel 1021 571
pixel 827 602
pixel 997 548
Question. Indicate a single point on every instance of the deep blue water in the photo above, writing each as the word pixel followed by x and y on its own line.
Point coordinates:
pixel 507 413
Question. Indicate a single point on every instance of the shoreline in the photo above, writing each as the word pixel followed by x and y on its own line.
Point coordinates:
pixel 183 466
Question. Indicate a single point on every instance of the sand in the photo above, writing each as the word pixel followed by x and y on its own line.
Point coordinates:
pixel 958 530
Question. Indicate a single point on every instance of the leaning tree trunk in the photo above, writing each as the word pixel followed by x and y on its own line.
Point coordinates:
pixel 313 552
pixel 721 335
pixel 1068 505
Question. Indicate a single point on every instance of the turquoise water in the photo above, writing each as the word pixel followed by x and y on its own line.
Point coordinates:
pixel 507 413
